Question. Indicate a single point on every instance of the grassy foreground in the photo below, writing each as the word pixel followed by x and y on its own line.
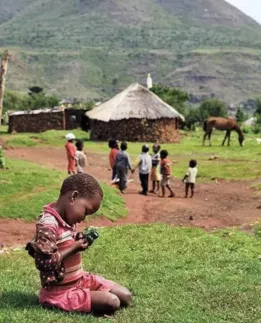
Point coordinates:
pixel 177 275
pixel 27 187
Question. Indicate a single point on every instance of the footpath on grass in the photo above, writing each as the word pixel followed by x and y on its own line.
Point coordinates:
pixel 216 205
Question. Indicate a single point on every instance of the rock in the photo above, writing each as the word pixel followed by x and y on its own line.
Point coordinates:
pixel 213 158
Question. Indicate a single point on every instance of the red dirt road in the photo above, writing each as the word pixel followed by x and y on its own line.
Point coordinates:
pixel 216 205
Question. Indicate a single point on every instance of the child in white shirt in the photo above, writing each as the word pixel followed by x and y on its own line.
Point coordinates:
pixel 190 178
pixel 80 157
pixel 144 163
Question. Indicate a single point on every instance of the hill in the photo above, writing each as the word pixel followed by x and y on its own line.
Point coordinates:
pixel 91 49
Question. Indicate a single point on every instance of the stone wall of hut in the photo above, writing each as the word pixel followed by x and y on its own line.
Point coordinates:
pixel 142 130
pixel 39 122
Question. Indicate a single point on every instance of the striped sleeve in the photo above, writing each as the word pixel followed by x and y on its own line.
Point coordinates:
pixel 44 247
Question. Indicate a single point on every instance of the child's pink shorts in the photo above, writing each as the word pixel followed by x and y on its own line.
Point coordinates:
pixel 76 298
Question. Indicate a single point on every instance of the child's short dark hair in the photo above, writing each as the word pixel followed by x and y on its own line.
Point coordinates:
pixel 193 163
pixel 79 144
pixel 85 184
pixel 156 147
pixel 164 154
pixel 145 148
pixel 113 144
pixel 124 145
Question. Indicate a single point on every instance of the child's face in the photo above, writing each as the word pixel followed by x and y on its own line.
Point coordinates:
pixel 77 208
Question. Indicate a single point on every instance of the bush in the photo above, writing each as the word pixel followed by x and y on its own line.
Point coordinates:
pixel 247 129
pixel 212 108
pixel 257 129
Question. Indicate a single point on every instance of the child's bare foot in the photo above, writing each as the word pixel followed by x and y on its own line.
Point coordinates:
pixel 185 197
pixel 172 195
pixel 152 192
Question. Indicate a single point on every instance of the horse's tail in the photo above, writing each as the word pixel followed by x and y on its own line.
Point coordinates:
pixel 205 125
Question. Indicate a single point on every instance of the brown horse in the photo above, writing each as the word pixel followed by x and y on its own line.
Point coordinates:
pixel 223 124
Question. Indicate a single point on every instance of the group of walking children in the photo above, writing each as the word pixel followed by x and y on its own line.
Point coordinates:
pixel 157 167
pixel 77 159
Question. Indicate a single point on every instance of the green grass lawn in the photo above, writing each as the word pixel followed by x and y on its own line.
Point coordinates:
pixel 233 162
pixel 27 187
pixel 176 275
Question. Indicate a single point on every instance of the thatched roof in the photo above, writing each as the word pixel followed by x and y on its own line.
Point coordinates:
pixel 136 102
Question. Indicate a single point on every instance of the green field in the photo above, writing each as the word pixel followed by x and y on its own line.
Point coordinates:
pixel 232 162
pixel 27 187
pixel 176 275
pixel 182 275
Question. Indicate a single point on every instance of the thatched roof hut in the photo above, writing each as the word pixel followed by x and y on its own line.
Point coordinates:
pixel 136 114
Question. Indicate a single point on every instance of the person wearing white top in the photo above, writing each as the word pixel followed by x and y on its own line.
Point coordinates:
pixel 190 178
pixel 80 157
pixel 144 162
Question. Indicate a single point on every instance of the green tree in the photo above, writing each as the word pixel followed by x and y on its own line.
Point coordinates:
pixel 35 90
pixel 174 97
pixel 212 108
pixel 15 101
pixel 258 109
pixel 240 116
pixel 192 117
pixel 258 116
pixel 37 99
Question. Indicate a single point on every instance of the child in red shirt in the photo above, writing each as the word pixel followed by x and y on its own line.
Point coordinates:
pixel 165 170
pixel 71 151
pixel 57 249
pixel 113 144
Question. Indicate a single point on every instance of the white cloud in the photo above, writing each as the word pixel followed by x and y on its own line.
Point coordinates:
pixel 251 7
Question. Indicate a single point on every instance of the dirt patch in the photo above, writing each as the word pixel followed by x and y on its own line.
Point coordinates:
pixel 216 205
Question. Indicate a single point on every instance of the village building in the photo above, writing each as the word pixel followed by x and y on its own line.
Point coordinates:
pixel 136 114
pixel 42 120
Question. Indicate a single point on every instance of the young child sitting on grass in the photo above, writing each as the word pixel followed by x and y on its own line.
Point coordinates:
pixel 80 157
pixel 190 178
pixel 165 169
pixel 57 249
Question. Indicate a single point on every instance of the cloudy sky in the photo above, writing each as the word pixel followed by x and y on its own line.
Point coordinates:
pixel 251 7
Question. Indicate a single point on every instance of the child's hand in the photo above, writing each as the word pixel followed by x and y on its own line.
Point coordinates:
pixel 81 245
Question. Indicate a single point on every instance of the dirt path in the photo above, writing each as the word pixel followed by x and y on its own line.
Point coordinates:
pixel 216 205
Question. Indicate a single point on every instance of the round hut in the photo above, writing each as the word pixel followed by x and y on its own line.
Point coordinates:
pixel 136 114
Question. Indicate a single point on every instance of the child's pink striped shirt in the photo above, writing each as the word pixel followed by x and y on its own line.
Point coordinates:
pixel 53 235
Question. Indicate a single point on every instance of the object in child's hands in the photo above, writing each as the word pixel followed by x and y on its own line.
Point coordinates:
pixel 90 235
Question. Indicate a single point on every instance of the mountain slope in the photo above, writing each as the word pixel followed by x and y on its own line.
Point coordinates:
pixel 91 48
